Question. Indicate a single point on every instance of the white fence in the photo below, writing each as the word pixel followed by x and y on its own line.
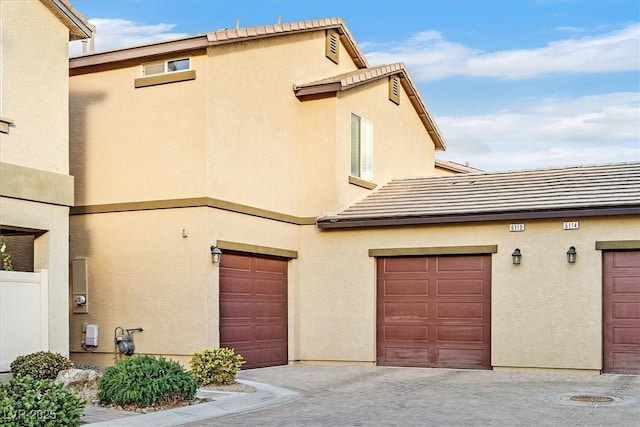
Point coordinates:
pixel 24 314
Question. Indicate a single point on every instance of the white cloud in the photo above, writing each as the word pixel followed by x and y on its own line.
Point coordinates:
pixel 548 132
pixel 119 33
pixel 431 57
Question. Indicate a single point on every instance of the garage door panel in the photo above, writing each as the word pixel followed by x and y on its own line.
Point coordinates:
pixel 259 357
pixel 270 265
pixel 624 260
pixel 404 356
pixel 236 310
pixel 458 264
pixel 462 357
pixel 406 265
pixel 405 288
pixel 460 310
pixel 460 287
pixel 460 333
pixel 237 263
pixel 621 312
pixel 625 286
pixel 406 333
pixel 269 287
pixel 629 335
pixel 270 333
pixel 404 311
pixel 268 310
pixel 625 310
pixel 434 311
pixel 253 308
pixel 625 362
pixel 235 285
pixel 236 335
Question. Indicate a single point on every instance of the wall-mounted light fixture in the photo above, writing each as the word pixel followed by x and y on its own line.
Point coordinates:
pixel 572 254
pixel 216 255
pixel 516 256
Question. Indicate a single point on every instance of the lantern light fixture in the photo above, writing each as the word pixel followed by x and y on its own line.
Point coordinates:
pixel 516 256
pixel 216 255
pixel 572 255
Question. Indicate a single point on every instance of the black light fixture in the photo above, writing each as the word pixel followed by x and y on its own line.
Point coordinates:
pixel 216 255
pixel 572 254
pixel 517 256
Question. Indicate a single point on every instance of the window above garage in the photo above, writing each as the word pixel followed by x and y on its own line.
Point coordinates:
pixel 162 72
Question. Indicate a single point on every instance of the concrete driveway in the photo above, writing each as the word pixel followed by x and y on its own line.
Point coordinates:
pixel 385 396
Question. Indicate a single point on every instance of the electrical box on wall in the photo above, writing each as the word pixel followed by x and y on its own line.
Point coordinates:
pixel 91 336
pixel 80 285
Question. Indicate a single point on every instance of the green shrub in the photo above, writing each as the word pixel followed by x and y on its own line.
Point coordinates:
pixel 43 365
pixel 145 381
pixel 25 401
pixel 216 366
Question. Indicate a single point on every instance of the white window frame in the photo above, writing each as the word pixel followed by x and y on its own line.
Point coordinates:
pixel 165 66
pixel 361 148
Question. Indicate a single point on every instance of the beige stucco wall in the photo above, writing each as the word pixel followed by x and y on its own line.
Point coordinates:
pixel 141 144
pixel 144 273
pixel 36 188
pixel 546 313
pixel 34 41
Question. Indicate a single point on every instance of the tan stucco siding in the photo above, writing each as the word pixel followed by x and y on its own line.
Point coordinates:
pixel 35 87
pixel 137 144
pixel 143 272
pixel 546 313
pixel 402 146
pixel 258 130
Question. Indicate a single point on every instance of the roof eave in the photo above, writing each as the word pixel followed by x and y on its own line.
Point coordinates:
pixel 160 48
pixel 79 27
pixel 335 223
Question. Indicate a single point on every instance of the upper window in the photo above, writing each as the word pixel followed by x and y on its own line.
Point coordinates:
pixel 361 148
pixel 166 66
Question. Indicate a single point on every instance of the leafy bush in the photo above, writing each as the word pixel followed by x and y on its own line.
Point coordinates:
pixel 42 365
pixel 145 381
pixel 25 401
pixel 216 366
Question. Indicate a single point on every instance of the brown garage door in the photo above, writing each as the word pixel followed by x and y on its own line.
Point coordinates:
pixel 434 311
pixel 621 297
pixel 253 308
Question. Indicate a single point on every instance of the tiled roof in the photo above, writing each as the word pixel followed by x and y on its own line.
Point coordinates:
pixel 611 189
pixel 225 36
pixel 356 78
pixel 348 80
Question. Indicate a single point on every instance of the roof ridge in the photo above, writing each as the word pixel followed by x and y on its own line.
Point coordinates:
pixel 560 169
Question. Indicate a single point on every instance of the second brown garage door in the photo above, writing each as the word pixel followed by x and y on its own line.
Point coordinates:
pixel 621 299
pixel 253 308
pixel 434 311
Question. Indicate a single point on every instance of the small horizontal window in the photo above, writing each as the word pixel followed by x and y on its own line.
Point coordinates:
pixel 163 67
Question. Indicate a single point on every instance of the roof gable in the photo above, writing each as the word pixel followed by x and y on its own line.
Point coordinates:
pixel 353 79
pixel 612 189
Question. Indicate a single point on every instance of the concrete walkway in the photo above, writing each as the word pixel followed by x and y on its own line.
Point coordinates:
pixel 385 396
